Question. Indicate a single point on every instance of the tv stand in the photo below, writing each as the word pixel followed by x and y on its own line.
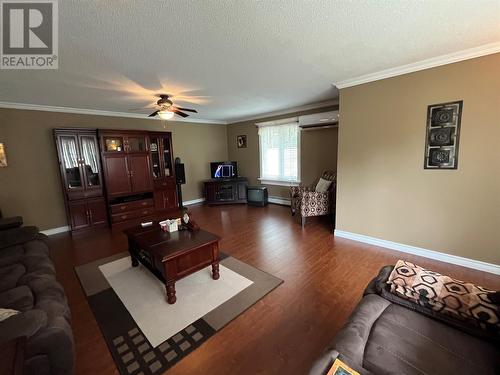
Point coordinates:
pixel 226 190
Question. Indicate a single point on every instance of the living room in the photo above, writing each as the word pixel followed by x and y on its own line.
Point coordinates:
pixel 258 195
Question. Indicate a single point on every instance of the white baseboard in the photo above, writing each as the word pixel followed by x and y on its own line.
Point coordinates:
pixel 431 254
pixel 279 200
pixel 50 232
pixel 193 201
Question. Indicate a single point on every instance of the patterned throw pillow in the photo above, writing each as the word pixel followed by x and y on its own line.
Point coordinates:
pixel 446 295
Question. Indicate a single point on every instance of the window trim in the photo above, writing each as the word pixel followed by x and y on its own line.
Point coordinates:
pixel 281 182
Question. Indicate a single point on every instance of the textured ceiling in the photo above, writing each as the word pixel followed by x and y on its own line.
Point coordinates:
pixel 239 58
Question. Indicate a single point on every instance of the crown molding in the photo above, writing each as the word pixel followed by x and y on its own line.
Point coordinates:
pixel 287 111
pixel 97 112
pixel 450 58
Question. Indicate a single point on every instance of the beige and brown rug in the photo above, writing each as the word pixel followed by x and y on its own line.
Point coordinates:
pixel 145 334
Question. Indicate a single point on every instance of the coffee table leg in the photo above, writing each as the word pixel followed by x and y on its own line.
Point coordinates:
pixel 171 298
pixel 215 271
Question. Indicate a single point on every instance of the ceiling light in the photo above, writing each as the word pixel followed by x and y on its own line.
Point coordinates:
pixel 166 115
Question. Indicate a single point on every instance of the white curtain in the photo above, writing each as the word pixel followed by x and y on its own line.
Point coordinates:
pixel 89 153
pixel 279 152
pixel 68 147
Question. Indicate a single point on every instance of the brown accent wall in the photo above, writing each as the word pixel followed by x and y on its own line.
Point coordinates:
pixel 318 151
pixel 383 189
pixel 30 185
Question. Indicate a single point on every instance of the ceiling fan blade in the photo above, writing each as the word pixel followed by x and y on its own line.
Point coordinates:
pixel 182 114
pixel 141 109
pixel 153 114
pixel 186 109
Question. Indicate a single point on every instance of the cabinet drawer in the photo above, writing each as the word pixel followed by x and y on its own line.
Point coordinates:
pixel 117 218
pixel 164 183
pixel 130 206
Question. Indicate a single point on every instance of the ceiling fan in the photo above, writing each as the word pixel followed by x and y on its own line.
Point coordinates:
pixel 166 108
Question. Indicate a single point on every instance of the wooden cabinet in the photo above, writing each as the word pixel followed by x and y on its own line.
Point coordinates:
pixel 78 214
pixel 117 175
pixel 140 172
pixel 126 160
pixel 165 190
pixel 86 213
pixel 165 199
pixel 81 177
pixel 137 179
pixel 220 191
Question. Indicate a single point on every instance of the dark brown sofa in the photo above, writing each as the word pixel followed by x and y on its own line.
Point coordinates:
pixel 389 337
pixel 28 284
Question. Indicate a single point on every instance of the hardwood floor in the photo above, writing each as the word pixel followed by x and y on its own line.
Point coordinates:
pixel 285 331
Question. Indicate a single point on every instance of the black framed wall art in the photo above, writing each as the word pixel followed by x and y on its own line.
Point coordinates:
pixel 442 136
pixel 241 141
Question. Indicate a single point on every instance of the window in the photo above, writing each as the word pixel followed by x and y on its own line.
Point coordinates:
pixel 279 152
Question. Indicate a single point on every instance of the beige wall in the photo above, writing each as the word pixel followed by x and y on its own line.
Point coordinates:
pixel 318 151
pixel 383 189
pixel 30 185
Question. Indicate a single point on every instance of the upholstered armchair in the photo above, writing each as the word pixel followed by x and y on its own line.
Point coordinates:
pixel 309 202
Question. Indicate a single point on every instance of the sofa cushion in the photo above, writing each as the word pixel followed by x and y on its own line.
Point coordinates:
pixel 19 298
pixel 9 276
pixel 403 341
pixel 11 255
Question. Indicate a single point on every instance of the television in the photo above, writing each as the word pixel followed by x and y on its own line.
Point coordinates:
pixel 257 196
pixel 224 169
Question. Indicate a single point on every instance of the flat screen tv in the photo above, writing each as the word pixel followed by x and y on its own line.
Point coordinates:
pixel 224 169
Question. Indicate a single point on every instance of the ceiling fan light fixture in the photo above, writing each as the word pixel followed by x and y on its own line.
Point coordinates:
pixel 166 115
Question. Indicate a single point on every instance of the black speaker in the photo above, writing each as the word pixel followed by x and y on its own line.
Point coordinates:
pixel 180 175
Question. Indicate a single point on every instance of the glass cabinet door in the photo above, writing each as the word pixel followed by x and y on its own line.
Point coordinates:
pixel 167 157
pixel 136 144
pixel 155 156
pixel 70 161
pixel 90 155
pixel 113 144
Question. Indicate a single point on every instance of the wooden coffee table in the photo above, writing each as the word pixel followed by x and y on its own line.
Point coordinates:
pixel 172 256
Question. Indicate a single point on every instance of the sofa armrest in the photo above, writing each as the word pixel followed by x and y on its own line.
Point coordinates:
pixel 16 236
pixel 24 324
pixel 10 222
pixel 314 195
pixel 55 341
pixel 324 363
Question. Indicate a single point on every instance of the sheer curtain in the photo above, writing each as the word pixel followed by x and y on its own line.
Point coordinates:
pixel 68 147
pixel 279 152
pixel 90 153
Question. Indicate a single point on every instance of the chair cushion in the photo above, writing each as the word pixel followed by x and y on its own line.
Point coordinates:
pixel 323 185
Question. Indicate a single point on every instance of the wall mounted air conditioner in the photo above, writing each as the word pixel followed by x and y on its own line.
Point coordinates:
pixel 319 120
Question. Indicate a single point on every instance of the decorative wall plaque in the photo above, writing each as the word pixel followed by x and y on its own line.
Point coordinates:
pixel 241 141
pixel 3 156
pixel 442 136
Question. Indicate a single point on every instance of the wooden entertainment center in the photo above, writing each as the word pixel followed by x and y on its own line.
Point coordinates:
pixel 135 184
pixel 225 191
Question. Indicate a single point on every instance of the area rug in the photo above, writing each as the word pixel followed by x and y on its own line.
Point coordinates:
pixel 145 334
